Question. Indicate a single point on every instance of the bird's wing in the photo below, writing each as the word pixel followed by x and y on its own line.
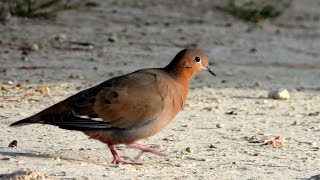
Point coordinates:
pixel 122 102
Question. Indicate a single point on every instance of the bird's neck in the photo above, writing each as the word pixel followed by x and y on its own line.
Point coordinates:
pixel 181 74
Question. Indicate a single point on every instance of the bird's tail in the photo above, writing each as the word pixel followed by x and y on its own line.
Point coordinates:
pixel 26 121
pixel 43 115
pixel 22 122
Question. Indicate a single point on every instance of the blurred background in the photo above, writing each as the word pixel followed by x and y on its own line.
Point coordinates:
pixel 251 43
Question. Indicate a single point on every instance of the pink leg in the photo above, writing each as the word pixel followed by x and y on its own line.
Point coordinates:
pixel 116 157
pixel 146 149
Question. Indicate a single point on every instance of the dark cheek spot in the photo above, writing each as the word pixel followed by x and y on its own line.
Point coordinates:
pixel 115 94
pixel 107 101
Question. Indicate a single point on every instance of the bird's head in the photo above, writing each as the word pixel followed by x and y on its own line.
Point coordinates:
pixel 190 62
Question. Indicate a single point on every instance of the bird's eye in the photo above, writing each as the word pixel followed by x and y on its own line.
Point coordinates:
pixel 197 59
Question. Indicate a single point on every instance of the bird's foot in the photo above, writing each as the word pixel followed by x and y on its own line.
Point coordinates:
pixel 118 161
pixel 116 157
pixel 145 149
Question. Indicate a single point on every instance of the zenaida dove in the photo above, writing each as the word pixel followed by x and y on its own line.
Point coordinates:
pixel 128 108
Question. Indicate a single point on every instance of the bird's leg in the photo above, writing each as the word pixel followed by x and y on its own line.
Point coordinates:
pixel 116 157
pixel 145 149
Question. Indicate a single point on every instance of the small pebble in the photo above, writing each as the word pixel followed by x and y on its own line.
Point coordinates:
pixel 217 100
pixel 295 123
pixel 76 76
pixel 189 150
pixel 314 114
pixel 24 58
pixel 281 94
pixel 18 85
pixel 2 88
pixel 229 73
pixel 59 37
pixel 206 160
pixel 44 90
pixel 270 77
pixel 231 113
pixel 112 39
pixel 219 125
pixel 257 84
pixel 314 144
pixel 208 108
pixel 253 50
pixel 14 143
pixel 32 47
pixel 276 142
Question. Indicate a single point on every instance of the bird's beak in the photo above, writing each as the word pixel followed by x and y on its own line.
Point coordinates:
pixel 209 70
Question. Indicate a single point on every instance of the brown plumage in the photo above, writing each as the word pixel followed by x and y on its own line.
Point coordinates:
pixel 125 109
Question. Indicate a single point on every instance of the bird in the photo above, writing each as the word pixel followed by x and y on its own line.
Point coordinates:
pixel 128 108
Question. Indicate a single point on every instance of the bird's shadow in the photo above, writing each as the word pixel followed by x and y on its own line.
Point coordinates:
pixel 39 155
pixel 249 97
pixel 24 154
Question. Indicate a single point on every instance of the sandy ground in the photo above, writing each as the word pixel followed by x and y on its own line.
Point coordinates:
pixel 227 118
